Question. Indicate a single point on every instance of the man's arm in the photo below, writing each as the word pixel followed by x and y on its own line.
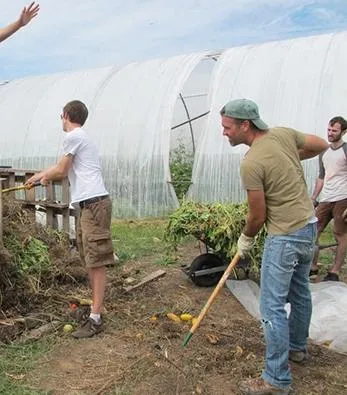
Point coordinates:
pixel 57 172
pixel 317 189
pixel 319 181
pixel 312 147
pixel 256 212
pixel 255 220
pixel 27 14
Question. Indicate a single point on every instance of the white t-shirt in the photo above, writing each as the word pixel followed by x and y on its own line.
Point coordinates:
pixel 333 169
pixel 85 173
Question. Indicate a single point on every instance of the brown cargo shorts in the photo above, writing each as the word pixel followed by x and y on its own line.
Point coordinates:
pixel 326 211
pixel 93 237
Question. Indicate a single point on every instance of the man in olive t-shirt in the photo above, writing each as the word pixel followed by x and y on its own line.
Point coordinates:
pixel 273 165
pixel 277 196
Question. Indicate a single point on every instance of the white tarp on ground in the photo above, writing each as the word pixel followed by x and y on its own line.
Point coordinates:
pixel 131 112
pixel 329 310
pixel 297 83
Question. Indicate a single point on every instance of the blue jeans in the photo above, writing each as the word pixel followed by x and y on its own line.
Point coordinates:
pixel 285 271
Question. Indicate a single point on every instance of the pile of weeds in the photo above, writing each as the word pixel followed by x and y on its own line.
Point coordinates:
pixel 217 225
pixel 33 258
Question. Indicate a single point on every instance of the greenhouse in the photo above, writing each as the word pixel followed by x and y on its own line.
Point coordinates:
pixel 143 111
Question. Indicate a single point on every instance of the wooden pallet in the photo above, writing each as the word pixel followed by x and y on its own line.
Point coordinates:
pixel 52 199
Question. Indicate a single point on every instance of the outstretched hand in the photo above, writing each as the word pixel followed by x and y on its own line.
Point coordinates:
pixel 29 13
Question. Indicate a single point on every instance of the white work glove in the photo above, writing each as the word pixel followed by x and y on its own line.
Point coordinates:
pixel 244 245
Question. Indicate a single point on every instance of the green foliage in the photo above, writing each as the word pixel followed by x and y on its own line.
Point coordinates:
pixel 30 262
pixel 30 257
pixel 181 166
pixel 217 225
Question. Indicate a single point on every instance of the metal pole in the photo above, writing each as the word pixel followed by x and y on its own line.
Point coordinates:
pixel 189 121
pixel 192 119
pixel 1 213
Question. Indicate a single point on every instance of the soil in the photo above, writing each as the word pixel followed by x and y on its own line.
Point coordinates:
pixel 138 354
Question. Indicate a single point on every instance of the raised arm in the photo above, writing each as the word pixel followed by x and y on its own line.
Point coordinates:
pixel 27 14
pixel 312 146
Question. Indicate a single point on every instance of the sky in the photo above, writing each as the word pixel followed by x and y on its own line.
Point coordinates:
pixel 72 35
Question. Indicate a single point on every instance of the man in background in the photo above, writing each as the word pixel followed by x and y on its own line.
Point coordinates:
pixel 331 186
pixel 277 196
pixel 27 14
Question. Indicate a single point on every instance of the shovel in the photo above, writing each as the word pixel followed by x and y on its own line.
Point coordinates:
pixel 35 184
pixel 208 304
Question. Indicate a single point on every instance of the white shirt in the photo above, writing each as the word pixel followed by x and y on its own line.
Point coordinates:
pixel 85 173
pixel 335 175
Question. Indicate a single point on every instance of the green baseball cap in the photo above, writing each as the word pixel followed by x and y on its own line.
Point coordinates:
pixel 244 109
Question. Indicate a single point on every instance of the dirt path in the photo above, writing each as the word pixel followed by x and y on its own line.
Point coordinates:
pixel 137 355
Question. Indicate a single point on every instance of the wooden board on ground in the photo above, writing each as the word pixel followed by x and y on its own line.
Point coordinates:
pixel 150 277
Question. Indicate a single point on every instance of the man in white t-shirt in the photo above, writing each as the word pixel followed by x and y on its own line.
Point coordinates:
pixel 331 186
pixel 80 163
pixel 27 14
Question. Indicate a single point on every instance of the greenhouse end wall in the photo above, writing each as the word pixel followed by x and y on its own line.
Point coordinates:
pixel 297 83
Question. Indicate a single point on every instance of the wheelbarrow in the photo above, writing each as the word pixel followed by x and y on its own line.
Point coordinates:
pixel 208 268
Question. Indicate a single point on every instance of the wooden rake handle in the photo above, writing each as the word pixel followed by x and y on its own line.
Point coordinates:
pixel 212 297
pixel 35 184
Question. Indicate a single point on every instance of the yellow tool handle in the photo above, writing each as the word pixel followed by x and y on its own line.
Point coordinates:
pixel 212 297
pixel 37 183
pixel 215 292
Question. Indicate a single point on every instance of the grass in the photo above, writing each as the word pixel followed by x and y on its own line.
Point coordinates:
pixel 16 361
pixel 135 239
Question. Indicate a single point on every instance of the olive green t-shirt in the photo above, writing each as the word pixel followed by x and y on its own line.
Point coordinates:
pixel 272 165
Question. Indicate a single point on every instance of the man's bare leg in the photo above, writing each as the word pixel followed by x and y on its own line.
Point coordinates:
pixel 340 256
pixel 97 278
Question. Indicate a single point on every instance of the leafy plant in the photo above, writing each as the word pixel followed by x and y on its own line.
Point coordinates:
pixel 30 259
pixel 181 166
pixel 217 225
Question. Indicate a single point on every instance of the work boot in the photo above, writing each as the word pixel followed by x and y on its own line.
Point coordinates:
pixel 331 277
pixel 80 313
pixel 88 329
pixel 259 386
pixel 297 356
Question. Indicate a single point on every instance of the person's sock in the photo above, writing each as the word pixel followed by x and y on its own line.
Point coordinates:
pixel 95 317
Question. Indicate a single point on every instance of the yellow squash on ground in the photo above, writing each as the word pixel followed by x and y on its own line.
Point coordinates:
pixel 173 317
pixel 186 317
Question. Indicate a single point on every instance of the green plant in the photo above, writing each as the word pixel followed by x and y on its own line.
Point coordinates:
pixel 217 225
pixel 181 166
pixel 30 259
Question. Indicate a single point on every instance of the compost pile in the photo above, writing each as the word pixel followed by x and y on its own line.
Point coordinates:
pixel 33 259
pixel 217 225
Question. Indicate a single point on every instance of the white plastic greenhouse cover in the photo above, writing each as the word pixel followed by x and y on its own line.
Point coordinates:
pixel 130 119
pixel 299 83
